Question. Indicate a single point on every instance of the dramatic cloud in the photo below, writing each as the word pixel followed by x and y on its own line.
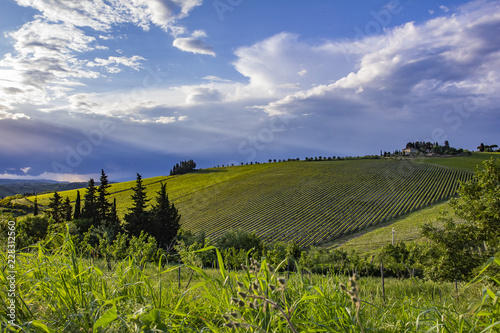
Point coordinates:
pixel 442 62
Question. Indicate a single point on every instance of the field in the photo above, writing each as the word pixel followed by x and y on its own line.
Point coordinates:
pixel 58 291
pixel 306 202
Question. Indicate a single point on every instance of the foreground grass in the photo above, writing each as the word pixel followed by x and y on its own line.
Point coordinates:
pixel 60 292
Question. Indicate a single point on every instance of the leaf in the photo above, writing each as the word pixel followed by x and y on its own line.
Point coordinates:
pixel 106 318
pixel 42 326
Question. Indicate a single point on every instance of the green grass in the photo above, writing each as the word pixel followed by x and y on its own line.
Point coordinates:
pixel 406 228
pixel 465 163
pixel 307 202
pixel 58 291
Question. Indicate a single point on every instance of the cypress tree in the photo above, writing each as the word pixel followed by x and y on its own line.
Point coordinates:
pixel 67 210
pixel 165 219
pixel 78 209
pixel 113 221
pixel 35 208
pixel 89 201
pixel 102 206
pixel 138 218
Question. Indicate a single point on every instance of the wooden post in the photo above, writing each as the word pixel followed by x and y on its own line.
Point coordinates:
pixel 383 283
pixel 393 231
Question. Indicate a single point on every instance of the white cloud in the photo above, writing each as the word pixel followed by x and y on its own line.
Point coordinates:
pixel 133 62
pixel 444 9
pixel 194 44
pixel 49 56
pixel 13 116
pixel 215 78
pixel 25 170
pixel 441 61
pixel 281 60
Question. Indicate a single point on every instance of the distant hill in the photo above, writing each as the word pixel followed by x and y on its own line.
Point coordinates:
pixel 10 187
pixel 309 202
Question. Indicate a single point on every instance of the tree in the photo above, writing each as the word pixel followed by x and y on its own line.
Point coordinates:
pixel 138 217
pixel 164 219
pixel 89 201
pixel 35 207
pixel 465 245
pixel 67 209
pixel 113 222
pixel 56 209
pixel 481 147
pixel 76 214
pixel 479 201
pixel 183 167
pixel 102 206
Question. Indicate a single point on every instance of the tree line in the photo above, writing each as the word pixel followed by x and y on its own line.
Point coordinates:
pixel 98 215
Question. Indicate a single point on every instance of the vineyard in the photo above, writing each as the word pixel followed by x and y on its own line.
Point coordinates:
pixel 307 202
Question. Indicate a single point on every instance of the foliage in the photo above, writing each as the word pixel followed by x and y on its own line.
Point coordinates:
pixel 278 251
pixel 102 205
pixel 479 202
pixel 183 167
pixel 89 202
pixel 137 218
pixel 464 245
pixel 56 209
pixel 241 240
pixel 57 290
pixel 165 220
pixel 30 229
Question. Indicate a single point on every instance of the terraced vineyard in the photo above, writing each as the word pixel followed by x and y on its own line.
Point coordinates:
pixel 309 202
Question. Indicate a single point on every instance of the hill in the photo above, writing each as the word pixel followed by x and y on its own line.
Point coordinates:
pixel 308 202
pixel 10 187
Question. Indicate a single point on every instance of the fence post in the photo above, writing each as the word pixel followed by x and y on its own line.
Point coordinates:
pixel 383 282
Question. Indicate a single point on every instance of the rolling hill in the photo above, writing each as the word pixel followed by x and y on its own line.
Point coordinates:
pixel 309 202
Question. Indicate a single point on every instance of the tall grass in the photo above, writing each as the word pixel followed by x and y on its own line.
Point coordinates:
pixel 59 291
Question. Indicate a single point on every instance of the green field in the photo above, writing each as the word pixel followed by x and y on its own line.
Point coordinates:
pixel 307 202
pixel 466 163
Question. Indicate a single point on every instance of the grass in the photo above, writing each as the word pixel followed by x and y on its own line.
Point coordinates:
pixel 371 240
pixel 465 163
pixel 59 291
pixel 307 202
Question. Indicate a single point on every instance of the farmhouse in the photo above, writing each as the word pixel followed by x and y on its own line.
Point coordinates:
pixel 410 151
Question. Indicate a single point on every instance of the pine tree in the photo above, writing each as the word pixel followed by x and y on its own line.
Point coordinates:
pixel 165 219
pixel 56 210
pixel 102 206
pixel 35 208
pixel 137 218
pixel 78 209
pixel 89 201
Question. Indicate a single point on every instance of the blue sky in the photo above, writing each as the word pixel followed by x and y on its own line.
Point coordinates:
pixel 137 85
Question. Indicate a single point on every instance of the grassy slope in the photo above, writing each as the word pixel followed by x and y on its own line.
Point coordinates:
pixel 466 163
pixel 407 227
pixel 301 200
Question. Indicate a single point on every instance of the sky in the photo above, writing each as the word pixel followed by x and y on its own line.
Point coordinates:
pixel 134 86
